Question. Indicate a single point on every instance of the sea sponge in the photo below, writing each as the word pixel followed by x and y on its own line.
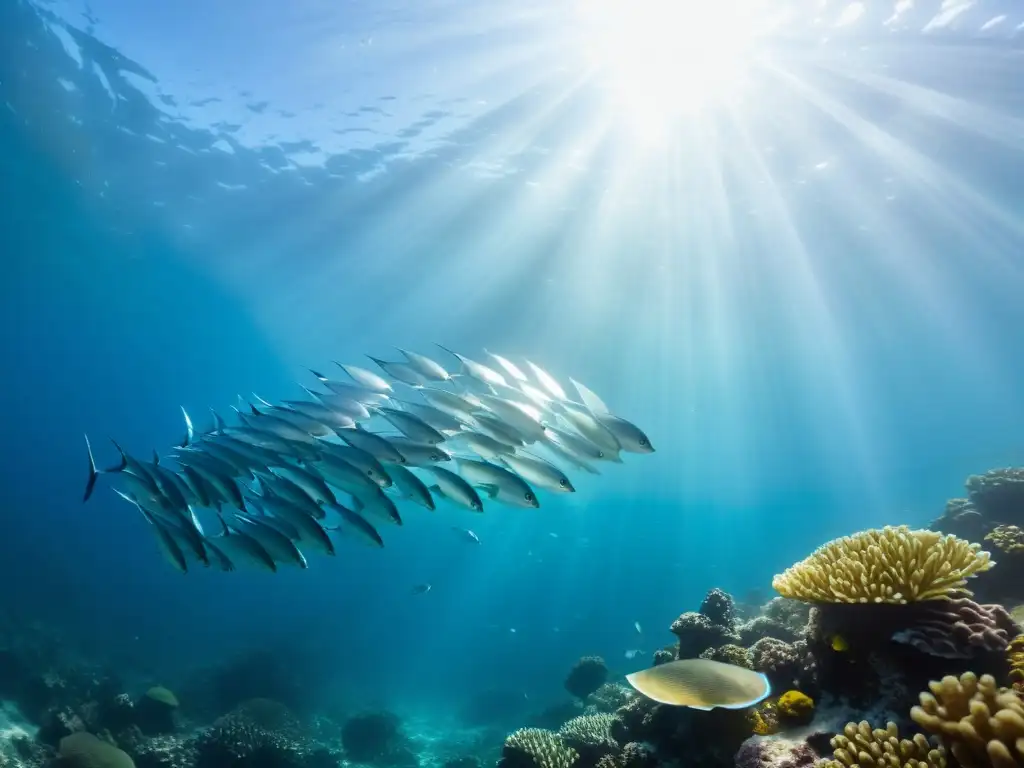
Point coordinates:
pixel 728 654
pixel 764 719
pixel 1007 538
pixel 795 707
pixel 890 565
pixel 980 723
pixel 858 745
pixel 588 674
pixel 537 748
pixel 84 750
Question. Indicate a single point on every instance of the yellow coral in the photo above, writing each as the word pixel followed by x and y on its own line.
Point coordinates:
pixel 980 723
pixel 859 746
pixel 796 707
pixel 764 719
pixel 1008 538
pixel 1015 657
pixel 891 565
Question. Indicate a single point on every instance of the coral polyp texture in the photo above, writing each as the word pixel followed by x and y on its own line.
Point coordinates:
pixel 981 724
pixel 537 748
pixel 860 745
pixel 1007 538
pixel 894 565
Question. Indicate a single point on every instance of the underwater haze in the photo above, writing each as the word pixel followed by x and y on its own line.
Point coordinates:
pixel 784 239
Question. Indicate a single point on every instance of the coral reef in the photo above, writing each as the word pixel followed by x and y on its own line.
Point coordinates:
pixel 155 711
pixel 590 736
pixel 795 707
pixel 892 565
pixel 980 724
pixel 536 748
pixel 1007 538
pixel 589 674
pixel 609 697
pixel 859 745
pixel 1015 658
pixel 84 750
pixel 711 627
pixel 729 654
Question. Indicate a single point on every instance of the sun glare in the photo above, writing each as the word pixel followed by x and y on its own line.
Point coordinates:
pixel 661 59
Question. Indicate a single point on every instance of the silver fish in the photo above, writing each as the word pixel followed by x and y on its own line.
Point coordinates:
pixel 454 488
pixel 476 370
pixel 310 482
pixel 435 417
pixel 343 405
pixel 362 461
pixel 484 446
pixel 225 486
pixel 498 483
pixel 170 548
pixel 569 458
pixel 412 426
pixel 629 436
pixel 467 534
pixel 403 372
pixel 352 521
pixel 278 546
pixel 311 426
pixel 459 406
pixel 334 419
pixel 310 531
pixel 495 428
pixel 524 419
pixel 374 501
pixel 240 546
pixel 417 454
pixel 426 367
pixel 274 425
pixel 412 487
pixel 508 366
pixel 538 472
pixel 593 430
pixel 365 378
pixel 290 490
pixel 360 394
pixel 375 445
pixel 344 475
pixel 547 381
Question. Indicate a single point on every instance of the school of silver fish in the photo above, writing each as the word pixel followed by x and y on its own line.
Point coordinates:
pixel 285 476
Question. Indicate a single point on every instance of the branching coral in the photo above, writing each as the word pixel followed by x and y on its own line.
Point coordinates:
pixel 1007 538
pixel 980 723
pixel 537 748
pixel 859 745
pixel 609 697
pixel 890 565
pixel 590 736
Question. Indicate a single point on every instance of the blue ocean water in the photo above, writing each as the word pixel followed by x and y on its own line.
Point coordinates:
pixel 808 296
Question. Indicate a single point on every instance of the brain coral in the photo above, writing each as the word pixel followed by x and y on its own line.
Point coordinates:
pixel 982 724
pixel 891 565
pixel 83 750
pixel 858 745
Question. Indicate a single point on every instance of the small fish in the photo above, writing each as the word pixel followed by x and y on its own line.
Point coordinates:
pixel 315 427
pixel 629 436
pixel 412 487
pixel 360 394
pixel 476 370
pixel 239 545
pixel 353 522
pixel 538 472
pixel 310 482
pixel 278 546
pixel 547 381
pixel 375 445
pixel 508 366
pixel 335 419
pixel 362 461
pixel 288 489
pixel 593 430
pixel 484 446
pixel 365 378
pixel 636 626
pixel 418 454
pixel 467 534
pixel 524 419
pixel 411 426
pixel 839 644
pixel 459 406
pixel 421 589
pixel 346 407
pixel 170 548
pixel 310 531
pixel 499 483
pixel 435 417
pixel 632 654
pixel 403 372
pixel 454 488
pixel 425 366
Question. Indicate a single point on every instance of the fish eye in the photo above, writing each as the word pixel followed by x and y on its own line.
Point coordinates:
pixel 530 497
pixel 600 454
pixel 562 482
pixel 643 441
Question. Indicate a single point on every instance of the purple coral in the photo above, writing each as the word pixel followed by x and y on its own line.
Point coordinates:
pixel 958 629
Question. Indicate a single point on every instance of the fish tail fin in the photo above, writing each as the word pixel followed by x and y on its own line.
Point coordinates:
pixel 189 430
pixel 94 474
pixel 122 465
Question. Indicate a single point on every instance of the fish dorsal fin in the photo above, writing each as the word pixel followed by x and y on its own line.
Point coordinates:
pixel 590 398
